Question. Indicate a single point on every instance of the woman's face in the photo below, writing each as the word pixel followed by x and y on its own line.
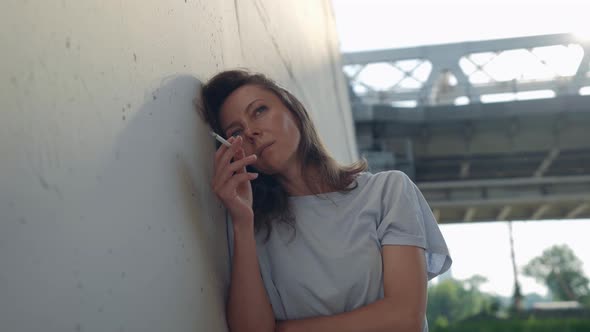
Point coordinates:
pixel 267 127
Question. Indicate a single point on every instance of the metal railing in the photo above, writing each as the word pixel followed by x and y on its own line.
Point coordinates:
pixel 461 73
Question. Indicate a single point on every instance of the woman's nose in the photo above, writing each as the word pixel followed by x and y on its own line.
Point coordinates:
pixel 251 132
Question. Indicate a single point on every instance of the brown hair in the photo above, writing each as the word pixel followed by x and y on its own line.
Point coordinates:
pixel 270 199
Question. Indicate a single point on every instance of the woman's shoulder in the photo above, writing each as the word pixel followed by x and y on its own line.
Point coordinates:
pixel 386 178
pixel 389 184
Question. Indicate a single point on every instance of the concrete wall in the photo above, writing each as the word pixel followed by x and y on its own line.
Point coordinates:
pixel 107 222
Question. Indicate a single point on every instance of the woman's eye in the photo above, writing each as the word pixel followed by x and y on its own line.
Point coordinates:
pixel 235 133
pixel 261 109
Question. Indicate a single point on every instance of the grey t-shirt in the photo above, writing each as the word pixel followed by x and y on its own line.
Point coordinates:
pixel 333 263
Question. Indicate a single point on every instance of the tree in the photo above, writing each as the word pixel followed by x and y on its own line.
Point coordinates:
pixel 475 281
pixel 452 300
pixel 517 295
pixel 560 269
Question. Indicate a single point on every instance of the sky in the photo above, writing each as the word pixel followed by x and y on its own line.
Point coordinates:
pixel 484 248
pixel 378 24
pixel 476 248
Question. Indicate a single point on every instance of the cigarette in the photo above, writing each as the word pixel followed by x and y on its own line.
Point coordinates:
pixel 220 139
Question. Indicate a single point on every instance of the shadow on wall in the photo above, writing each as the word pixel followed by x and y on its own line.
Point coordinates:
pixel 153 208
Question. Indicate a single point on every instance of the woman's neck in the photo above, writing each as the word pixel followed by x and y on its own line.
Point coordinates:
pixel 294 182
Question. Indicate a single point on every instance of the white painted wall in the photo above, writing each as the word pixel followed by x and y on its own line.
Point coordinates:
pixel 107 222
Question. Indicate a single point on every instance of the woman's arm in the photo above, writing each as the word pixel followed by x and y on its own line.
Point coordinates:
pixel 248 306
pixel 401 310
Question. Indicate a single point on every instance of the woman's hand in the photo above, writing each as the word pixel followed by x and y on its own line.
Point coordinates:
pixel 231 182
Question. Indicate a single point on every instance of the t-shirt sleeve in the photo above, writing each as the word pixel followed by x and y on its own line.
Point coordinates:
pixel 408 220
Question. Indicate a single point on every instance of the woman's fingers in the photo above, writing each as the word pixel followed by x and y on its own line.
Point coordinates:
pixel 221 151
pixel 230 153
pixel 229 188
pixel 240 154
pixel 229 175
pixel 227 172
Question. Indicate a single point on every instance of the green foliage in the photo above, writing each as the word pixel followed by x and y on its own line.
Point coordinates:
pixel 518 325
pixel 560 269
pixel 441 322
pixel 452 300
pixel 459 306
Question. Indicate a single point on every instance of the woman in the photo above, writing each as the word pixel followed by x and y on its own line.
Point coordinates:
pixel 316 246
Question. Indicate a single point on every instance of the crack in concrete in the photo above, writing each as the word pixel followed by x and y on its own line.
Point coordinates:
pixel 288 66
pixel 237 12
pixel 331 56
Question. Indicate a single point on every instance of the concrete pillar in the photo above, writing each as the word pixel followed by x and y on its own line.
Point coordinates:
pixel 107 222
